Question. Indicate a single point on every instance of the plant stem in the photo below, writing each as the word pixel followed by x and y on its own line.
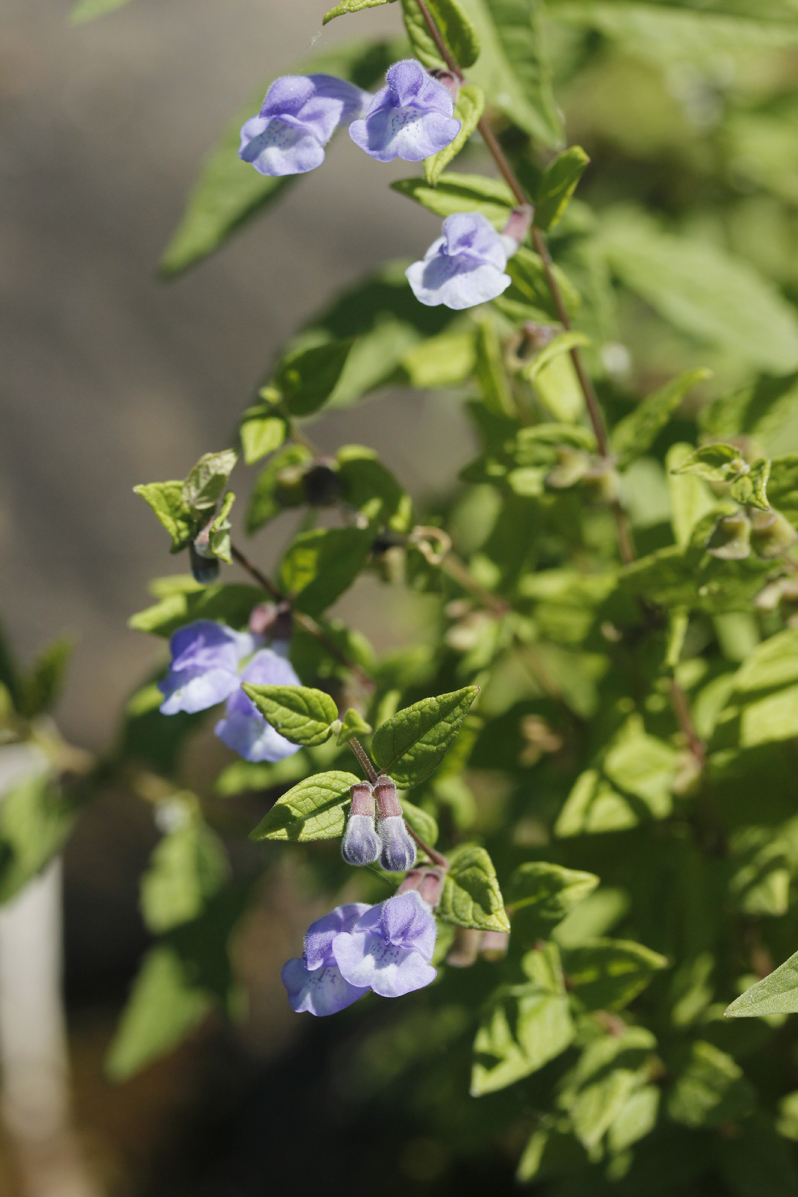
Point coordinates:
pixel 305 621
pixel 685 718
pixel 625 544
pixel 441 861
pixel 364 759
pixel 459 572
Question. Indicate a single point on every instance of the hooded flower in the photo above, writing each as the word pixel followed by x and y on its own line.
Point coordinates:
pixel 410 118
pixel 244 729
pixel 204 669
pixel 465 266
pixel 390 946
pixel 314 983
pixel 298 118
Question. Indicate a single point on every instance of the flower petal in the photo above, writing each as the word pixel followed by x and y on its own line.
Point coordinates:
pixel 455 282
pixel 195 690
pixel 319 935
pixel 250 735
pixel 319 991
pixel 365 959
pixel 282 149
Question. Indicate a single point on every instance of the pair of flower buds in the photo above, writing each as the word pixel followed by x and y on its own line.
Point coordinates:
pixel 375 829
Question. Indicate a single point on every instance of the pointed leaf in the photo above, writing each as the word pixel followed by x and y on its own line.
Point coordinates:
pixel 461 193
pixel 346 6
pixel 205 483
pixel 307 377
pixel 320 565
pixel 751 488
pixel 166 500
pixel 559 182
pixel 776 994
pixel 39 689
pixel 312 810
pixel 635 434
pixel 716 463
pixel 187 867
pixel 454 26
pixel 608 973
pixel 411 745
pixel 549 889
pixel 263 430
pixel 303 715
pixel 353 724
pixel 471 895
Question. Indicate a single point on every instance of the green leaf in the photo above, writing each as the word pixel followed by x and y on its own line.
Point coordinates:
pixel 454 26
pixel 632 781
pixel 635 434
pixel 513 68
pixel 321 565
pixel 690 497
pixel 559 182
pixel 530 291
pixel 750 489
pixel 369 487
pixel 181 979
pixel 412 744
pixel 205 483
pixel 219 531
pixel 716 463
pixel 563 343
pixel 166 500
pixel 229 192
pixel 608 973
pixel 762 706
pixel 776 994
pixel 263 430
pixel 35 820
pixel 758 411
pixel 610 1068
pixel 783 485
pixel 636 1118
pixel 346 6
pixel 461 193
pixel 40 689
pixel 278 485
pixel 524 1027
pixel 311 810
pixel 491 371
pixel 471 895
pixel 468 110
pixel 87 10
pixel 421 821
pixel 676 579
pixel 187 867
pixel 443 361
pixel 230 603
pixel 549 889
pixel 307 377
pixel 353 724
pixel 304 716
pixel 760 883
pixel 701 289
pixel 710 1090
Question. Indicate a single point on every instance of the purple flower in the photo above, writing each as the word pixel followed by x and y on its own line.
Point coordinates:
pixel 389 948
pixel 410 118
pixel 204 668
pixel 314 983
pixel 244 729
pixel 465 266
pixel 298 118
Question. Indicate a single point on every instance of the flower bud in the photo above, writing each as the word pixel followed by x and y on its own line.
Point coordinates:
pixel 360 845
pixel 494 945
pixel 465 949
pixel 771 534
pixel 449 81
pixel 204 569
pixel 730 539
pixel 272 620
pixel 322 485
pixel 398 853
pixel 518 223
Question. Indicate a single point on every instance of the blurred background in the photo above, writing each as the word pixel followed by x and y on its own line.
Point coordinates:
pixel 111 377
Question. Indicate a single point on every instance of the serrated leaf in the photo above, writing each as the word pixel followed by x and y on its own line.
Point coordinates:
pixel 703 290
pixel 454 26
pixel 471 895
pixel 206 481
pixel 370 487
pixel 411 745
pixel 183 977
pixel 353 724
pixel 559 182
pixel 608 973
pixel 166 500
pixel 750 489
pixel 231 603
pixel 321 565
pixel 35 819
pixel 513 67
pixel 268 496
pixel 263 430
pixel 710 1090
pixel 229 192
pixel 635 434
pixel 524 1026
pixel 715 463
pixel 346 6
pixel 468 110
pixel 301 714
pixel 421 821
pixel 187 867
pixel 306 378
pixel 311 810
pixel 219 531
pixel 461 193
pixel 549 889
pixel 40 688
pixel 690 497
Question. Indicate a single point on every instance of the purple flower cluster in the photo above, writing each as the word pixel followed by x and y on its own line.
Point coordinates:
pixel 388 840
pixel 206 670
pixel 385 948
pixel 410 118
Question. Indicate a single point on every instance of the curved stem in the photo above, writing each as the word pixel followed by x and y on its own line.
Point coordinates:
pixel 364 759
